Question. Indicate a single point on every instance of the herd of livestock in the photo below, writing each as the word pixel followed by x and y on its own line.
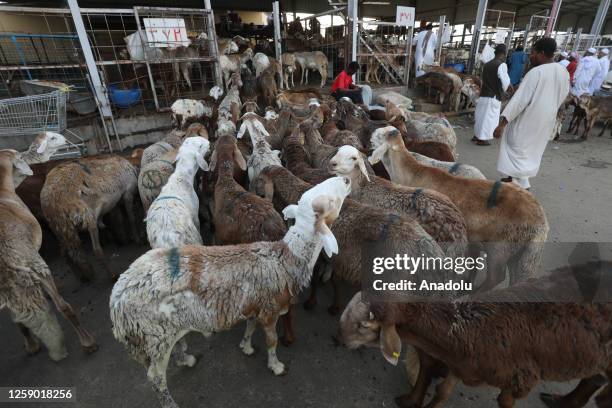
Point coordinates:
pixel 256 190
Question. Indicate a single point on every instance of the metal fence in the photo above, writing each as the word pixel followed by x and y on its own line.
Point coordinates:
pixel 383 52
pixel 327 32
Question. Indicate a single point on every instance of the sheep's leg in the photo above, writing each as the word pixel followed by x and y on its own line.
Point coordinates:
pixel 245 344
pixel 427 368
pixel 71 247
pixel 128 203
pixel 505 399
pixel 579 395
pixel 31 344
pixel 496 267
pixel 269 326
pixel 604 128
pixel 38 318
pixel 157 375
pixel 85 338
pixel 588 126
pixel 185 70
pixel 99 252
pixel 311 302
pixel 443 390
pixel 181 357
pixel 288 334
pixel 292 80
pixel 334 309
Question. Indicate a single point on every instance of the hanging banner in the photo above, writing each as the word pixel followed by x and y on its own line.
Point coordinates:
pixel 166 32
pixel 404 16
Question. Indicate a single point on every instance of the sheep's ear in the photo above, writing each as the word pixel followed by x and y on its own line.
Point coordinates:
pixel 243 128
pixel 22 166
pixel 43 145
pixel 239 158
pixel 330 245
pixel 261 128
pixel 251 173
pixel 378 154
pixel 213 160
pixel 290 211
pixel 201 162
pixel 362 167
pixel 390 343
pixel 277 153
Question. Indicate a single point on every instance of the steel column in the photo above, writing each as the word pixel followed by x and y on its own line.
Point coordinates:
pixel 480 15
pixel 277 32
pixel 212 37
pixel 552 20
pixel 353 17
pixel 599 21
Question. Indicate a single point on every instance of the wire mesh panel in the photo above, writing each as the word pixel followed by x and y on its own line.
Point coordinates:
pixel 33 114
pixel 382 52
pixel 325 32
pixel 498 28
pixel 536 29
pixel 150 56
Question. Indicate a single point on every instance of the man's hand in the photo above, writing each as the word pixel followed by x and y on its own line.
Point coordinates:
pixel 499 130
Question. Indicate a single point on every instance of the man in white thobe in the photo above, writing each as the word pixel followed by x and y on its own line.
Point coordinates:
pixel 563 59
pixel 495 82
pixel 529 118
pixel 604 67
pixel 425 52
pixel 587 68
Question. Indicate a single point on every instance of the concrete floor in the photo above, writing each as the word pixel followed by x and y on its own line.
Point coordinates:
pixel 574 186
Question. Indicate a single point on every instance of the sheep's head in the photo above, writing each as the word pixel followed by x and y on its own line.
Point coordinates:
pixel 11 159
pixel 384 138
pixel 235 80
pixel 256 129
pixel 225 127
pixel 227 153
pixel 196 129
pixel 319 207
pixel 216 92
pixel 584 101
pixel 47 143
pixel 271 113
pixel 393 113
pixel 250 106
pixel 359 327
pixel 197 147
pixel 347 160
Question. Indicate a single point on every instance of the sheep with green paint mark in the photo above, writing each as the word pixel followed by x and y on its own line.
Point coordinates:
pixel 167 293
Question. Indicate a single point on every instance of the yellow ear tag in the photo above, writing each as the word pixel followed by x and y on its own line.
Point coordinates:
pixel 396 354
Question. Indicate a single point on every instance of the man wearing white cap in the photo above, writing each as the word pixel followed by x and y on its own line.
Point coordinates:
pixel 604 67
pixel 587 68
pixel 563 59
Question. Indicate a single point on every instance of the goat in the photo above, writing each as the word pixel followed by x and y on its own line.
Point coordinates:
pixel 288 62
pixel 312 60
pixel 233 63
pixel 267 87
pixel 40 151
pixel 596 107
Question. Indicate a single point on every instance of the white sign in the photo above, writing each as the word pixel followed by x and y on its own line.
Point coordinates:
pixel 166 32
pixel 404 16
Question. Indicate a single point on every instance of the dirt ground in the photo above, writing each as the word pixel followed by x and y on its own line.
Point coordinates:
pixel 574 186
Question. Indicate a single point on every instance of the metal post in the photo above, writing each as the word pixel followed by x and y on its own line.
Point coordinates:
pixel 98 87
pixel 509 37
pixel 212 37
pixel 277 32
pixel 143 41
pixel 409 35
pixel 600 19
pixel 480 16
pixel 352 9
pixel 441 28
pixel 577 40
pixel 554 13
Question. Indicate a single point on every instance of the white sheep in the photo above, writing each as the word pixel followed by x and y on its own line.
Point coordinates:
pixel 260 63
pixel 166 293
pixel 288 61
pixel 172 219
pixel 184 110
pixel 233 63
pixel 40 151
pixel 263 155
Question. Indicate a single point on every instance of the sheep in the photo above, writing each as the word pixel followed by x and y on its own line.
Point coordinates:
pixel 231 105
pixel 299 101
pixel 312 60
pixel 277 69
pixel 267 87
pixel 506 219
pixel 184 110
pixel 288 61
pixel 454 168
pixel 262 155
pixel 172 219
pixel 358 227
pixel 155 173
pixel 158 149
pixel 40 151
pixel 336 137
pixel 24 274
pixel 167 293
pixel 233 63
pixel 260 63
pixel 503 338
pixel 239 216
pixel 248 91
pixel 434 211
pixel 395 98
pixel 75 197
pixel 227 46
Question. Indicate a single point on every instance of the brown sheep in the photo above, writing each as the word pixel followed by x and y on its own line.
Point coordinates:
pixel 25 277
pixel 75 197
pixel 506 219
pixel 503 339
pixel 267 87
